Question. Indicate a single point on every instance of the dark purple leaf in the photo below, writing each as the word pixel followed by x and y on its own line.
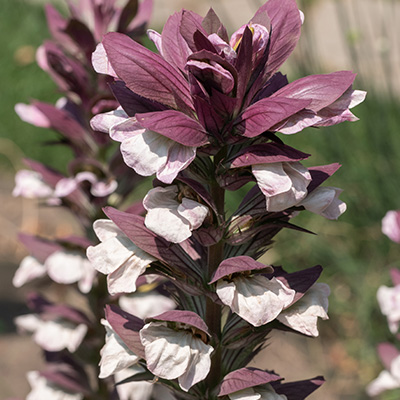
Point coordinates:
pixel 245 378
pixel 244 63
pixel 65 124
pixel 320 90
pixel 202 42
pixel 51 311
pixel 127 327
pixel 284 31
pixel 299 281
pixel 298 390
pixel 174 47
pixel 263 115
pixel 277 81
pixel 211 120
pixel 176 126
pixel 147 73
pixel 127 14
pixel 200 190
pixel 82 36
pixel 320 174
pixel 212 24
pixel 238 264
pixel 38 247
pixel 142 17
pixel 73 240
pixel 50 176
pixel 267 153
pixel 387 353
pixel 183 316
pixel 131 102
pixel 190 23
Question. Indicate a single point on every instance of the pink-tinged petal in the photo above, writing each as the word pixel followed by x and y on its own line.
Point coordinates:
pixel 283 184
pixel 384 381
pixel 146 153
pixel 30 184
pixel 389 303
pixel 145 305
pixel 65 187
pixel 387 352
pixel 296 123
pixel 179 157
pixel 193 212
pixel 155 37
pixel 391 225
pixel 175 126
pixel 126 129
pixel 257 299
pixel 172 354
pixel 31 115
pixel 29 269
pixel 265 113
pixel 174 47
pixel 339 111
pixel 303 315
pixel 320 90
pixel 104 122
pixel 147 73
pixel 100 62
pixel 115 355
pixel 325 201
pixel 102 189
pixel 222 47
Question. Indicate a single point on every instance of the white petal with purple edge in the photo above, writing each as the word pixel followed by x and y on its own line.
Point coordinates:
pixel 193 212
pixel 100 62
pixel 104 122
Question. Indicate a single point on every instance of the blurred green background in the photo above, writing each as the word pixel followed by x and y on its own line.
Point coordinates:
pixel 355 255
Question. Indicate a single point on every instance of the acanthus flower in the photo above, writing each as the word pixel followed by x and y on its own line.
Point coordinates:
pixel 176 349
pixel 169 218
pixel 117 257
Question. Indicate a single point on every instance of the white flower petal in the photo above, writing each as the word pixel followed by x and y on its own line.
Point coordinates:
pixel 104 122
pixel 32 115
pixel 29 269
pixel 42 389
pixel 141 390
pixel 30 184
pixel 245 394
pixel 146 153
pixel 100 62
